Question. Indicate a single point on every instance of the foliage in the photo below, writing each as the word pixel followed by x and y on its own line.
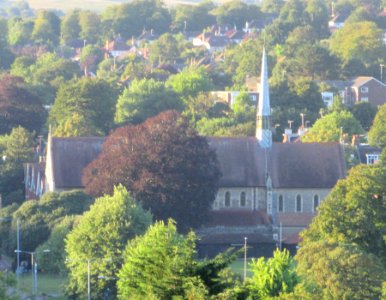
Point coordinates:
pixel 15 150
pixel 340 270
pixel 54 261
pixel 144 99
pixel 46 28
pixel 94 99
pixel 365 113
pixel 354 211
pixel 100 238
pixel 332 127
pixel 273 276
pixel 377 133
pixel 20 31
pixel 77 125
pixel 90 57
pixel 225 126
pixel 90 26
pixel 361 41
pixel 164 259
pixel 18 106
pixel 70 27
pixel 7 280
pixel 164 163
pixel 37 218
pixel 129 19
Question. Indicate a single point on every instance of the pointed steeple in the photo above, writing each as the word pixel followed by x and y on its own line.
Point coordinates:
pixel 263 117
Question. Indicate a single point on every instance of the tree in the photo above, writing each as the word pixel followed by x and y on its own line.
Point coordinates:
pixel 164 258
pixel 365 113
pixel 37 218
pixel 377 133
pixel 236 13
pixel 7 280
pixel 70 27
pixel 46 28
pixel 362 41
pixel 100 238
pixel 20 31
pixel 77 125
pixel 273 276
pixel 90 57
pixel 144 99
pixel 18 106
pixel 164 50
pixel 340 270
pixel 354 211
pixel 17 149
pixel 90 26
pixel 93 99
pixel 333 127
pixel 164 163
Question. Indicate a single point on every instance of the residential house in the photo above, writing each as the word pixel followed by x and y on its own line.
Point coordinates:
pixel 229 97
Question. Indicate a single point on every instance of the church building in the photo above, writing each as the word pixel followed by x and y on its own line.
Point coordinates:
pixel 267 191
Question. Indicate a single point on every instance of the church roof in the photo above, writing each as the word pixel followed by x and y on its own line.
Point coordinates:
pixel 70 156
pixel 244 163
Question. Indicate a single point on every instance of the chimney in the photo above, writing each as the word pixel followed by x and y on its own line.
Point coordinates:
pixel 355 140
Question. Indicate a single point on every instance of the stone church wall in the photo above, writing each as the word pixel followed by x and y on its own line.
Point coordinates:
pixel 254 198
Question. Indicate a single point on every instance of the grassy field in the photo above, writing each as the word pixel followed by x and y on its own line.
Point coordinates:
pixel 238 267
pixel 49 285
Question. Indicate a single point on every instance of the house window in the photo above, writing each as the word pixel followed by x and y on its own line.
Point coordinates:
pixel 372 158
pixel 227 199
pixel 316 202
pixel 364 89
pixel 242 199
pixel 298 203
pixel 364 99
pixel 280 205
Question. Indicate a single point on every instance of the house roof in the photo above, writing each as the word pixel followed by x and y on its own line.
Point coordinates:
pixel 244 163
pixel 364 149
pixel 70 156
pixel 237 218
pixel 295 219
pixel 361 80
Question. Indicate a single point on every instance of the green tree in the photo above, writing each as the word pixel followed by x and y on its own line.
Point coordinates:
pixel 93 99
pixel 164 50
pixel 340 270
pixel 19 31
pixel 77 125
pixel 54 262
pixel 362 41
pixel 365 113
pixel 273 276
pixel 100 239
pixel 135 68
pixel 333 127
pixel 354 212
pixel 90 57
pixel 17 149
pixel 70 27
pixel 377 133
pixel 165 259
pixel 46 28
pixel 143 99
pixel 90 26
pixel 7 281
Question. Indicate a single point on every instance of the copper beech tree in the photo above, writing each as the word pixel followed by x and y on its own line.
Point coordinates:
pixel 165 164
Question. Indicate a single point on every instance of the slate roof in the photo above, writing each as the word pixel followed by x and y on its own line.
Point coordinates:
pixel 295 219
pixel 70 156
pixel 364 149
pixel 237 218
pixel 244 163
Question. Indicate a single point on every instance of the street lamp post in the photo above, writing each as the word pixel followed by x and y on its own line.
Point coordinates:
pixel 381 66
pixel 245 258
pixel 34 268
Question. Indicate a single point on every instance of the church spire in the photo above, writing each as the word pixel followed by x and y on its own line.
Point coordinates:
pixel 263 118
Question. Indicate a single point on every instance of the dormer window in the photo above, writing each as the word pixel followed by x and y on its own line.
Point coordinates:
pixel 298 203
pixel 280 204
pixel 372 158
pixel 316 202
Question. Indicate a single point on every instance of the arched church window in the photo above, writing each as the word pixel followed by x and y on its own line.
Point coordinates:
pixel 316 202
pixel 280 205
pixel 227 199
pixel 242 199
pixel 298 203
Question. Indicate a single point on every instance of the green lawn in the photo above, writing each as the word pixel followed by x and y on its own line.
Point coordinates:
pixel 51 285
pixel 238 267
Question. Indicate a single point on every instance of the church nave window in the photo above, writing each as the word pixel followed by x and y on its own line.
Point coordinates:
pixel 298 203
pixel 316 202
pixel 227 199
pixel 242 199
pixel 280 204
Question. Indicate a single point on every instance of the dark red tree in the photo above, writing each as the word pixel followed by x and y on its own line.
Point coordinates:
pixel 18 106
pixel 164 163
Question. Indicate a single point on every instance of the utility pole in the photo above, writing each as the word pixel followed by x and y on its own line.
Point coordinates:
pixel 245 258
